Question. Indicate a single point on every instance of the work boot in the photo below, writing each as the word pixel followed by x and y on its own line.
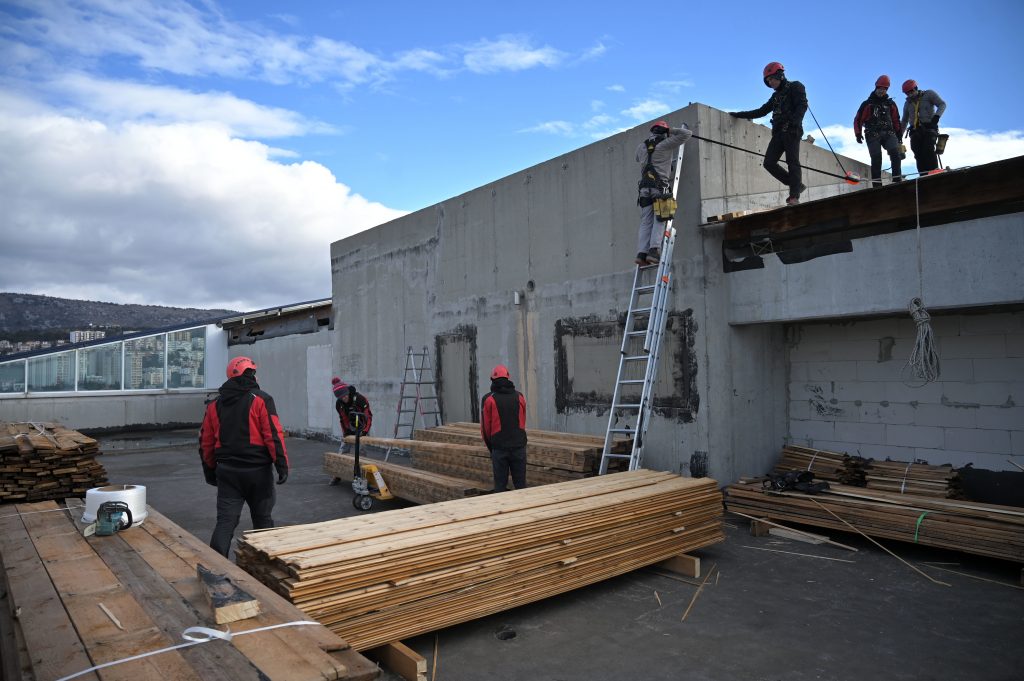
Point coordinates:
pixel 334 482
pixel 641 259
pixel 793 201
pixel 653 257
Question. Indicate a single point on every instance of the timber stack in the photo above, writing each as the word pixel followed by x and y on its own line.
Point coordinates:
pixel 70 603
pixel 971 527
pixel 43 461
pixel 391 575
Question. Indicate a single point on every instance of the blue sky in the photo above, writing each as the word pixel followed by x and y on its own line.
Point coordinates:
pixel 175 143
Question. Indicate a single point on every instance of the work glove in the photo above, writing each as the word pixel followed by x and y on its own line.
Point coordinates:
pixel 282 477
pixel 935 121
pixel 860 140
pixel 211 476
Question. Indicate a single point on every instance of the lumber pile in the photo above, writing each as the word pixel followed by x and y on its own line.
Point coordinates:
pixel 42 461
pixel 982 529
pixel 395 574
pixel 421 487
pixel 71 602
pixel 895 476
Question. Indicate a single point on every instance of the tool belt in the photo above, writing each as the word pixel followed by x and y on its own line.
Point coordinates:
pixel 665 208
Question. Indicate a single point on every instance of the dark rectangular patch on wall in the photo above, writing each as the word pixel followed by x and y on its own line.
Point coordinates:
pixel 587 359
pixel 456 374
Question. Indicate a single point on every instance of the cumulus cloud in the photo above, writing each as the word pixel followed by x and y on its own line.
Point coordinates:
pixel 965 147
pixel 647 109
pixel 183 214
pixel 552 128
pixel 508 53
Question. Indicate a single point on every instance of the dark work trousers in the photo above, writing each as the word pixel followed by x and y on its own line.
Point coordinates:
pixel 876 142
pixel 922 142
pixel 237 486
pixel 788 143
pixel 504 461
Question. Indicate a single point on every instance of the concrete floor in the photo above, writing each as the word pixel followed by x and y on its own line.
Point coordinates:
pixel 764 615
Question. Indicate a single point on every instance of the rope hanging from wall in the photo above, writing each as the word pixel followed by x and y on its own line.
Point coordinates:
pixel 923 364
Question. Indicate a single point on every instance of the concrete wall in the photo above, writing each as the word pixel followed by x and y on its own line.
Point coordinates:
pixel 849 390
pixel 296 371
pixel 562 235
pixel 109 412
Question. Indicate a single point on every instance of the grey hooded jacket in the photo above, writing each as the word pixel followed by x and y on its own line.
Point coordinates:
pixel 928 105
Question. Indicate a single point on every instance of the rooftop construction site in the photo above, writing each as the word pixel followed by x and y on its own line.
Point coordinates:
pixel 782 441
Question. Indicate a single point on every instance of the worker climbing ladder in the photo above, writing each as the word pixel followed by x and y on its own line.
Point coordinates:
pixel 646 320
pixel 417 396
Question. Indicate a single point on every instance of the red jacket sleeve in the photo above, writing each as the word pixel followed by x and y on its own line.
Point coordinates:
pixel 522 412
pixel 264 420
pixel 895 113
pixel 208 435
pixel 858 122
pixel 490 423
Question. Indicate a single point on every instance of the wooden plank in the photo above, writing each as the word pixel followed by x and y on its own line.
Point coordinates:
pixel 683 564
pixel 228 602
pixel 47 630
pixel 400 659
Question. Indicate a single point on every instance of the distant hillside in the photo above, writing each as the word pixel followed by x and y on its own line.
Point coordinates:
pixel 21 312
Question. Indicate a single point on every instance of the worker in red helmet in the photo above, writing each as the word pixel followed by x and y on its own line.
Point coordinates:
pixel 921 112
pixel 503 428
pixel 788 104
pixel 241 444
pixel 878 119
pixel 655 153
pixel 354 413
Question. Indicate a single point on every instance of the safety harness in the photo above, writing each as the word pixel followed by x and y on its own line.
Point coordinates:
pixel 661 198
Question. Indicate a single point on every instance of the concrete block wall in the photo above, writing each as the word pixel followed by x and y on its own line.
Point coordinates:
pixel 849 390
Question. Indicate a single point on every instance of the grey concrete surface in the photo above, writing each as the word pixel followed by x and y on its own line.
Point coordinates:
pixel 769 612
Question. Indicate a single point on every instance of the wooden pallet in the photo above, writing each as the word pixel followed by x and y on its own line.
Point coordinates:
pixel 388 576
pixel 75 602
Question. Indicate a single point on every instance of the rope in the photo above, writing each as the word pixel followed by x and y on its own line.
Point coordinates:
pixel 923 363
pixel 826 140
pixel 758 153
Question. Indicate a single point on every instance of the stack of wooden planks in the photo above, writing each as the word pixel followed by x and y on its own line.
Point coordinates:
pixel 915 478
pixel 41 461
pixel 71 603
pixel 982 529
pixel 421 487
pixel 895 476
pixel 391 575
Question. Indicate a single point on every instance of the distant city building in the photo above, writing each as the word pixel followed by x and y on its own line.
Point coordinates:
pixel 87 335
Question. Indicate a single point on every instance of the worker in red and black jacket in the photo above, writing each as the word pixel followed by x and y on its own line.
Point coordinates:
pixel 503 428
pixel 352 408
pixel 879 119
pixel 241 444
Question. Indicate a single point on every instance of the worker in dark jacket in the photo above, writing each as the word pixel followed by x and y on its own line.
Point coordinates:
pixel 920 120
pixel 788 104
pixel 878 119
pixel 352 408
pixel 242 443
pixel 655 153
pixel 503 428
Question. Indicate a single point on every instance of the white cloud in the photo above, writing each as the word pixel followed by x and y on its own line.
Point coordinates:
pixel 116 101
pixel 965 147
pixel 179 214
pixel 647 109
pixel 508 53
pixel 673 86
pixel 598 121
pixel 552 127
pixel 616 88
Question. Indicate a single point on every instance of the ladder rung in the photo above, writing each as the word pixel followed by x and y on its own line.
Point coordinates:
pixel 631 381
pixel 637 333
pixel 641 310
pixel 645 289
pixel 621 430
pixel 617 456
pixel 625 406
pixel 635 358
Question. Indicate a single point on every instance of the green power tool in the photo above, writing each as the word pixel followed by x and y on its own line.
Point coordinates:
pixel 111 517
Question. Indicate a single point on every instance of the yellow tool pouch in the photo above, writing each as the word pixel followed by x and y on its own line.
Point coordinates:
pixel 665 208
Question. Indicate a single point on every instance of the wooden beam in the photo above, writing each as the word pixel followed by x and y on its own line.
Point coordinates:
pixel 683 564
pixel 400 659
pixel 228 602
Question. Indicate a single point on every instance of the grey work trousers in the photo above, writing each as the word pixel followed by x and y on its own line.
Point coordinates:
pixel 650 234
pixel 876 141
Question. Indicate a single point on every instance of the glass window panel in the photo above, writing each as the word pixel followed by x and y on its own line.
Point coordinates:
pixel 12 377
pixel 144 363
pixel 186 358
pixel 52 373
pixel 99 368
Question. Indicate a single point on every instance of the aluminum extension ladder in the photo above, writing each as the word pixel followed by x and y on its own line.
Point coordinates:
pixel 646 320
pixel 417 386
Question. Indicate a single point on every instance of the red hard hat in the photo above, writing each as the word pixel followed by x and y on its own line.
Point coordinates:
pixel 773 69
pixel 909 85
pixel 500 371
pixel 883 81
pixel 238 365
pixel 660 124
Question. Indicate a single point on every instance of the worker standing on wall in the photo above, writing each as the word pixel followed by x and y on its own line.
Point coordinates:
pixel 242 443
pixel 655 153
pixel 352 408
pixel 788 104
pixel 503 428
pixel 920 120
pixel 878 119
